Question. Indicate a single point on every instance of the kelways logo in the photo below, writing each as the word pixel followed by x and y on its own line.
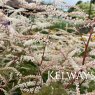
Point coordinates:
pixel 70 75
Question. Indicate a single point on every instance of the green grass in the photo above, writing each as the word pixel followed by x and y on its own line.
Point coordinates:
pixel 62 25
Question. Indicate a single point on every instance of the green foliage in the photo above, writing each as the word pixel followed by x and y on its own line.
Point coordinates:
pixel 37 29
pixel 53 89
pixel 44 32
pixel 70 30
pixel 60 25
pixel 92 56
pixel 83 89
pixel 45 76
pixel 85 8
pixel 91 86
pixel 71 9
pixel 79 2
pixel 17 92
pixel 27 68
pixel 93 1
